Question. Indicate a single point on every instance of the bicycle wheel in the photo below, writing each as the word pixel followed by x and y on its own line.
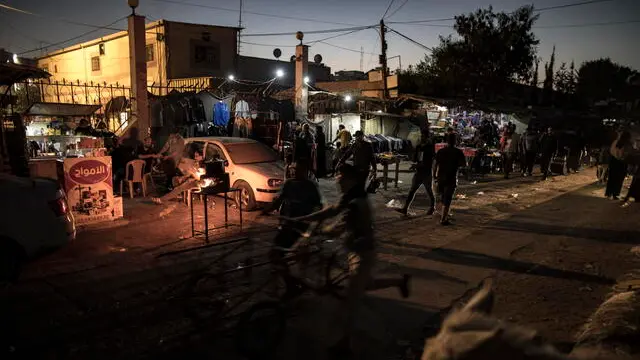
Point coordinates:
pixel 336 270
pixel 260 330
pixel 204 297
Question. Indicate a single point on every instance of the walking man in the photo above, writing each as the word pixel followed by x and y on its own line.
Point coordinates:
pixel 548 147
pixel 530 144
pixel 423 158
pixel 448 160
pixel 364 159
pixel 343 138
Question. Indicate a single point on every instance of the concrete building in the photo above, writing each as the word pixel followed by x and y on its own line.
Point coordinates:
pixel 177 54
pixel 371 87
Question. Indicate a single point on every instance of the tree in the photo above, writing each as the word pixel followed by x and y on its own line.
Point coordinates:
pixel 604 80
pixel 490 50
pixel 565 79
pixel 547 86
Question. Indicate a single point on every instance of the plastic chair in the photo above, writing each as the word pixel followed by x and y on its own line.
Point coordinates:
pixel 138 176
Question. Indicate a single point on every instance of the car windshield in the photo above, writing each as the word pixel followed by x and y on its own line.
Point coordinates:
pixel 250 153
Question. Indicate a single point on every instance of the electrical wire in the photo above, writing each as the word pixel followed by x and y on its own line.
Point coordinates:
pixel 556 7
pixel 11 8
pixel 106 27
pixel 388 7
pixel 326 31
pixel 562 26
pixel 10 25
pixel 252 12
pixel 410 39
pixel 398 8
pixel 344 48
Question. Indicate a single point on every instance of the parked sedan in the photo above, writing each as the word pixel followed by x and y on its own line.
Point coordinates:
pixel 35 218
pixel 253 167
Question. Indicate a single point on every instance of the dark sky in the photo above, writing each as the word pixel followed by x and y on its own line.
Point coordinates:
pixel 21 32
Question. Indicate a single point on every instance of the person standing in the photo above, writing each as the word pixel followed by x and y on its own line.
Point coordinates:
pixel 508 150
pixel 364 159
pixel 172 150
pixel 423 158
pixel 548 147
pixel 530 144
pixel 448 160
pixel 617 165
pixel 343 140
pixel 321 153
pixel 603 165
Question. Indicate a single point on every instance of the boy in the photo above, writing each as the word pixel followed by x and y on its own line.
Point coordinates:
pixel 357 233
pixel 448 160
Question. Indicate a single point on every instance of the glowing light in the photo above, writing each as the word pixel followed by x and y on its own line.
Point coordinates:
pixel 231 77
pixel 279 73
pixel 347 98
pixel 306 79
pixel 15 59
pixel 380 111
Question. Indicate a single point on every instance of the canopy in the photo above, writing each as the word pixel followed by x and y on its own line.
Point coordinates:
pixel 11 73
pixel 58 109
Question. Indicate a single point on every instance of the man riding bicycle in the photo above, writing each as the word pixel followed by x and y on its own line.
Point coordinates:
pixel 356 231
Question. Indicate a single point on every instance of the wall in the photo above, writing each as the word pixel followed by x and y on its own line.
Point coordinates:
pixel 74 63
pixel 200 50
pixel 259 69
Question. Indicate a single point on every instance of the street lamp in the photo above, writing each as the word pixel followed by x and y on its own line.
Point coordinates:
pixel 279 73
pixel 306 79
pixel 347 98
pixel 231 77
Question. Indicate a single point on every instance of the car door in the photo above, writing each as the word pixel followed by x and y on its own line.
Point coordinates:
pixel 214 151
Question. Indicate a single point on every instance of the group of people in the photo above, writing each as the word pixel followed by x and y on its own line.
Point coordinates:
pixel 443 166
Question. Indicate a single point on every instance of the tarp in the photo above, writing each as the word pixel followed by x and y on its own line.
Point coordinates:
pixel 58 109
pixel 11 73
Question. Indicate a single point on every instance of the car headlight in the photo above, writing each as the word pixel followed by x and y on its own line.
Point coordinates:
pixel 274 182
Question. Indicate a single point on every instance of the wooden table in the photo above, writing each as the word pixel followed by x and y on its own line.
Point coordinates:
pixel 385 161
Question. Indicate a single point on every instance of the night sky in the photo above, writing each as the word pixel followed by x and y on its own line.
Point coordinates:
pixel 22 32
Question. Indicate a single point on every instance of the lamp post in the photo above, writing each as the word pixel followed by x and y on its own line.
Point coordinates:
pixel 133 4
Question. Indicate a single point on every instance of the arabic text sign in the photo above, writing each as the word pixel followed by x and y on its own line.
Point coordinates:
pixel 89 188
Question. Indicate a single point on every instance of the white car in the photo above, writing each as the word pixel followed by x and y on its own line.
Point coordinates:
pixel 253 167
pixel 35 219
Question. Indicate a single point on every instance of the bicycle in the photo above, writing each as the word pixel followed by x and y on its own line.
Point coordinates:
pixel 261 328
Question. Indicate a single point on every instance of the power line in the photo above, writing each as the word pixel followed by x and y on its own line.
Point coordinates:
pixel 398 9
pixel 106 27
pixel 556 7
pixel 12 27
pixel 344 48
pixel 388 7
pixel 562 26
pixel 411 40
pixel 11 8
pixel 327 31
pixel 587 25
pixel 252 12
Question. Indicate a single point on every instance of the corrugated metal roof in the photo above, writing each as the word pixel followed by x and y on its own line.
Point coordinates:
pixel 58 109
pixel 11 73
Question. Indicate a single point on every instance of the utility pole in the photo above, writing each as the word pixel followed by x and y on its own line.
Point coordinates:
pixel 383 62
pixel 237 59
pixel 361 58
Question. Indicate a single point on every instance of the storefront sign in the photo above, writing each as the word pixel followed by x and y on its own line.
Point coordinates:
pixel 89 188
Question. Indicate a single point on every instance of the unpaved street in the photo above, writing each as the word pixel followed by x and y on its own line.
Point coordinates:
pixel 553 249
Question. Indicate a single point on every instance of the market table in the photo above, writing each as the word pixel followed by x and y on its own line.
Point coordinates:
pixel 385 160
pixel 205 195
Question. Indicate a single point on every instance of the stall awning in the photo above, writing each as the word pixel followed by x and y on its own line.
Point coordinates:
pixel 11 73
pixel 59 109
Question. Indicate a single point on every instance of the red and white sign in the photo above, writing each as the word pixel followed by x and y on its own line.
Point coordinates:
pixel 89 188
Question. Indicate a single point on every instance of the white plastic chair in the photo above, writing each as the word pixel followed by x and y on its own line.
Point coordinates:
pixel 138 176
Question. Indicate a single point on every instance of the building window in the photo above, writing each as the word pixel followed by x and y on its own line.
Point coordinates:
pixel 55 69
pixel 101 49
pixel 206 55
pixel 150 53
pixel 95 63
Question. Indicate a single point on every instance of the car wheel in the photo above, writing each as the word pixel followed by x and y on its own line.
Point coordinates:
pixel 11 259
pixel 245 195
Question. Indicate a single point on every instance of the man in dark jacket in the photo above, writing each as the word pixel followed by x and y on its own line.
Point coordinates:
pixel 530 149
pixel 364 158
pixel 423 157
pixel 548 147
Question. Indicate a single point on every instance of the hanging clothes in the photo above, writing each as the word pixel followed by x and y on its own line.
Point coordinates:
pixel 208 101
pixel 221 114
pixel 242 109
